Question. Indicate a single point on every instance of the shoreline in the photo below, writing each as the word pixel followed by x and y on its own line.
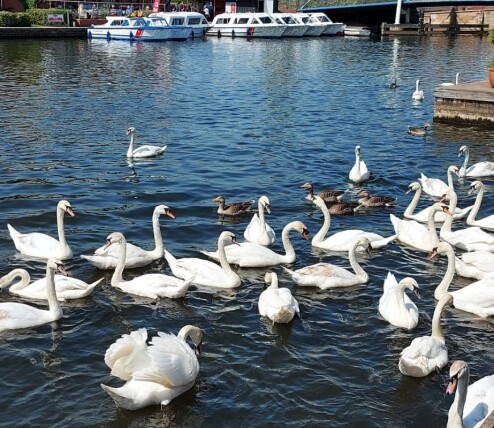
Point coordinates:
pixel 42 32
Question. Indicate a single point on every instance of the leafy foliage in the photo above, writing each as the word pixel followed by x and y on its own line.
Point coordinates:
pixel 12 19
pixel 40 16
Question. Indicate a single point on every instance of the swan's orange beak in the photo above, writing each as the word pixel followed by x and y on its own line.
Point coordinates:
pixel 170 214
pixel 452 385
pixel 69 211
pixel 305 234
pixel 433 254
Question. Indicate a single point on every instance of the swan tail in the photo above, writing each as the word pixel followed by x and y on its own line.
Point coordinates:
pixel 170 258
pixel 162 150
pixel 120 400
pixel 211 254
pixel 383 242
pixel 15 235
pixel 289 271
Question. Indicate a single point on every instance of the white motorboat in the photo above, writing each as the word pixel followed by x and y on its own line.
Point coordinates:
pixel 248 24
pixel 195 20
pixel 357 31
pixel 134 29
pixel 333 28
pixel 294 27
pixel 174 32
pixel 314 27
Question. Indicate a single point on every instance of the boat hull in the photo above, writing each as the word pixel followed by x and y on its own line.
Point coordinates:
pixel 264 32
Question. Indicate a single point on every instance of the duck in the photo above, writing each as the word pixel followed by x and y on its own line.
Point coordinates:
pixel 106 257
pixel 367 200
pixel 43 246
pixel 328 195
pixel 142 152
pixel 152 285
pixel 476 298
pixel 427 354
pixel 277 304
pixel 341 208
pixel 418 94
pixel 423 215
pixel 204 272
pixel 326 276
pixel 486 223
pixel 233 209
pixel 475 264
pixel 473 403
pixel 393 84
pixel 343 241
pixel 435 187
pixel 419 130
pixel 477 170
pixel 157 373
pixel 417 235
pixel 19 315
pixel 395 306
pixel 359 172
pixel 67 288
pixel 250 255
pixel 457 79
pixel 258 231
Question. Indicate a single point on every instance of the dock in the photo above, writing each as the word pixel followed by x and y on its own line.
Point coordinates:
pixel 467 103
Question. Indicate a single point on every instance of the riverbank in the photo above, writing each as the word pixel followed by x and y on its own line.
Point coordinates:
pixel 42 32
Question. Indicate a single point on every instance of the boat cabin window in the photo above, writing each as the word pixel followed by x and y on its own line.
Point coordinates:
pixel 120 22
pixel 265 19
pixel 241 21
pixel 177 21
pixel 193 20
pixel 223 20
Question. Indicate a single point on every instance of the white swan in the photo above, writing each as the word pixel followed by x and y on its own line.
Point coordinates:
pixel 451 83
pixel 155 373
pixel 344 240
pixel 417 235
pixel 18 315
pixel 479 169
pixel 325 275
pixel 395 306
pixel 67 288
pixel 469 238
pixel 359 171
pixel 107 257
pixel 486 222
pixel 472 404
pixel 277 304
pixel 204 272
pixel 435 187
pixel 258 231
pixel 418 94
pixel 151 285
pixel 423 215
pixel 43 246
pixel 247 254
pixel 142 151
pixel 475 264
pixel 476 298
pixel 427 353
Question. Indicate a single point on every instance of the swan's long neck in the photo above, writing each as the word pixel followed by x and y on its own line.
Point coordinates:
pixel 130 152
pixel 54 305
pixel 287 244
pixel 450 180
pixel 413 203
pixel 319 236
pixel 437 331
pixel 455 415
pixel 417 83
pixel 262 220
pixel 357 161
pixel 431 225
pixel 117 275
pixel 400 296
pixel 466 160
pixel 61 231
pixel 476 206
pixel 158 239
pixel 222 256
pixel 446 227
pixel 443 286
pixel 359 271
pixel 24 280
pixel 274 281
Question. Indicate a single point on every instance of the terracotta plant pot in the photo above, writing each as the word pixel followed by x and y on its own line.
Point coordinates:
pixel 491 76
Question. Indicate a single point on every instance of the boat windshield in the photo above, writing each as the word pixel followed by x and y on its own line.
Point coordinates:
pixel 265 19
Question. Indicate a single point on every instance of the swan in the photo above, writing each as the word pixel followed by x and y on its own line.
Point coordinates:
pixel 107 257
pixel 469 238
pixel 43 246
pixel 18 315
pixel 67 288
pixel 476 298
pixel 451 83
pixel 359 171
pixel 423 215
pixel 328 195
pixel 155 373
pixel 258 231
pixel 434 186
pixel 427 353
pixel 419 130
pixel 151 285
pixel 472 404
pixel 233 209
pixel 142 151
pixel 325 275
pixel 277 304
pixel 367 200
pixel 248 254
pixel 204 272
pixel 395 306
pixel 485 223
pixel 479 169
pixel 417 235
pixel 343 241
pixel 475 264
pixel 418 94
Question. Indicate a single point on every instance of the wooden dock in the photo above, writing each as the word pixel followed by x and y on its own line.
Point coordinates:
pixel 466 103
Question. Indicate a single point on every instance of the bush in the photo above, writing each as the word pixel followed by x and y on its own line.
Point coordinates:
pixel 12 19
pixel 490 36
pixel 40 16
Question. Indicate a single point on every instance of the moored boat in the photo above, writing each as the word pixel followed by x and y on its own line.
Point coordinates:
pixel 332 28
pixel 127 28
pixel 294 27
pixel 357 31
pixel 314 27
pixel 247 24
pixel 195 20
pixel 174 32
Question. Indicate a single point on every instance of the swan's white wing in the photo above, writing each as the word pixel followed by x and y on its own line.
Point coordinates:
pixel 325 270
pixel 252 232
pixel 481 169
pixel 477 298
pixel 35 244
pixel 479 402
pixel 482 260
pixel 390 282
pixel 148 151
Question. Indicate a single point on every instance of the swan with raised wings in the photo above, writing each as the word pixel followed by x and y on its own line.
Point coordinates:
pixel 18 315
pixel 258 231
pixel 67 288
pixel 418 94
pixel 248 254
pixel 275 303
pixel 395 306
pixel 359 171
pixel 204 272
pixel 427 354
pixel 234 208
pixel 343 241
pixel 479 169
pixel 486 222
pixel 325 275
pixel 142 152
pixel 476 298
pixel 151 285
pixel 472 404
pixel 435 187
pixel 43 246
pixel 155 373
pixel 107 257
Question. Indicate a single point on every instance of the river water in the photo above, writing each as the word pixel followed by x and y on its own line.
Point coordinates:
pixel 240 119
